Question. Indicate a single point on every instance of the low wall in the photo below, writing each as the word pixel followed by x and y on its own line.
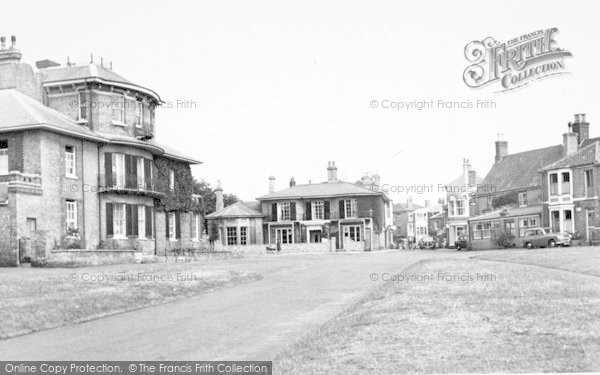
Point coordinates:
pixel 65 258
pixel 321 247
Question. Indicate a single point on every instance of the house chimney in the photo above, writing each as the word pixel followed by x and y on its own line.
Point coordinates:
pixel 501 150
pixel 581 127
pixel 427 203
pixel 377 180
pixel 11 54
pixel 570 143
pixel 332 172
pixel 292 182
pixel 472 178
pixel 466 170
pixel 271 184
pixel 409 203
pixel 219 205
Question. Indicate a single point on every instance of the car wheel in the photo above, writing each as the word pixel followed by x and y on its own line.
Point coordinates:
pixel 551 243
pixel 529 245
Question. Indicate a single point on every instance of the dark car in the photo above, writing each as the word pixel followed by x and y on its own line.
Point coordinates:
pixel 461 243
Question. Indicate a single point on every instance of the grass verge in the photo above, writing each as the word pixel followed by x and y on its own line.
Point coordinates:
pixel 517 318
pixel 37 299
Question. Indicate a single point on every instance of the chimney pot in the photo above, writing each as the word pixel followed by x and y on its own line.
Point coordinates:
pixel 13 41
pixel 292 182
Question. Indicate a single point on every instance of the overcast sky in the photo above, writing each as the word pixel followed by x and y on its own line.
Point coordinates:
pixel 283 87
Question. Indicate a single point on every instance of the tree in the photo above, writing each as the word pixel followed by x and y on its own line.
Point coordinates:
pixel 209 197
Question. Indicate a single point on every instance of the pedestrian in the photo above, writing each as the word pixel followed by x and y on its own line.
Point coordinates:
pixel 278 246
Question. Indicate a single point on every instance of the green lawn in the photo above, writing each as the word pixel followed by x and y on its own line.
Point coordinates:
pixel 36 299
pixel 522 319
pixel 585 259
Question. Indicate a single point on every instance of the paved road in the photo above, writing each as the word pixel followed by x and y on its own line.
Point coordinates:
pixel 251 321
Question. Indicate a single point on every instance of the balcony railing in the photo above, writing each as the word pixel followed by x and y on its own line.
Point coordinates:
pixel 127 183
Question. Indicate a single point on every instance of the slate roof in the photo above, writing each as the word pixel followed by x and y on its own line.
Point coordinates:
pixel 73 72
pixel 401 207
pixel 236 210
pixel 586 155
pixel 519 171
pixel 89 72
pixel 21 112
pixel 321 190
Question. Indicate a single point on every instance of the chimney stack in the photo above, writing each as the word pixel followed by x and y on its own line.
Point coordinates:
pixel 472 178
pixel 581 127
pixel 501 150
pixel 11 54
pixel 271 184
pixel 292 182
pixel 427 203
pixel 219 204
pixel 409 203
pixel 332 172
pixel 466 170
pixel 570 143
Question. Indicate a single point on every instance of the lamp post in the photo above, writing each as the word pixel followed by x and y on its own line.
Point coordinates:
pixel 371 219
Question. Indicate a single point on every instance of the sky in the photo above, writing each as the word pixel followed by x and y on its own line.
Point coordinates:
pixel 282 87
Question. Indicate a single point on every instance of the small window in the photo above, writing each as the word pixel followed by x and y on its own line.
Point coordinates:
pixel 139 114
pixel 231 236
pixel 285 211
pixel 318 210
pixel 118 109
pixel 172 226
pixel 243 235
pixel 3 157
pixel 172 180
pixel 141 221
pixel 71 212
pixel 119 220
pixel 553 184
pixel 70 170
pixel 589 183
pixel 350 206
pixel 83 106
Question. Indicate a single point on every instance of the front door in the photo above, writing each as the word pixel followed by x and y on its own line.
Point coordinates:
pixel 555 218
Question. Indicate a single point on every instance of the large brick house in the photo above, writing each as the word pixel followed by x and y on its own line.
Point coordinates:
pixel 515 195
pixel 81 174
pixel 356 217
pixel 570 185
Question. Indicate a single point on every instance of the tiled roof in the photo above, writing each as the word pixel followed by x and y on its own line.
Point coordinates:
pixel 255 205
pixel 519 171
pixel 586 155
pixel 322 190
pixel 439 215
pixel 236 210
pixel 19 111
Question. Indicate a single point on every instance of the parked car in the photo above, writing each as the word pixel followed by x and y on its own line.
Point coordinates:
pixel 461 243
pixel 538 237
